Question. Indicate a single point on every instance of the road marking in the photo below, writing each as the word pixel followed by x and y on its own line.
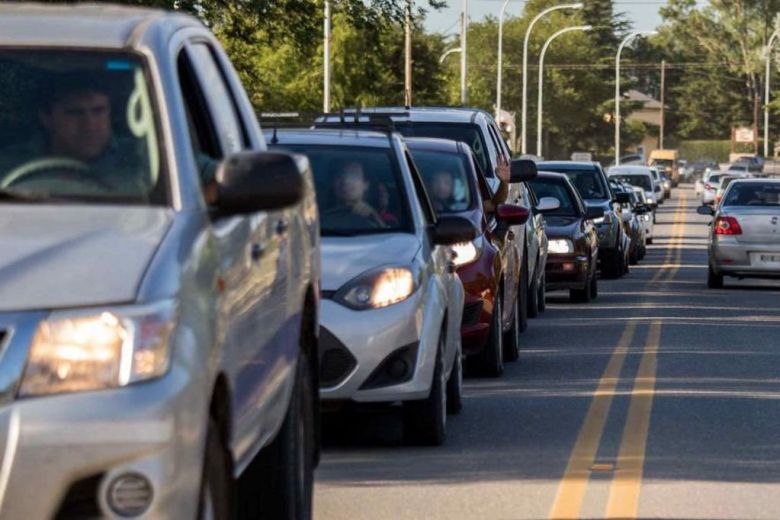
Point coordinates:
pixel 571 490
pixel 624 492
pixel 675 242
pixel 678 243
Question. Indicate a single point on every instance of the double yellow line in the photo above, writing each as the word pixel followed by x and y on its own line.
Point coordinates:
pixel 623 501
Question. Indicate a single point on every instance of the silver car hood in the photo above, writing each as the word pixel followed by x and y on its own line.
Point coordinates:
pixel 344 258
pixel 66 256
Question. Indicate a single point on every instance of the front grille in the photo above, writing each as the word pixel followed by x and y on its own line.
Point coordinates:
pixel 336 361
pixel 471 313
pixel 81 500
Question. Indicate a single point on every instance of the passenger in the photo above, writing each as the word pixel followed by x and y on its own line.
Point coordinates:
pixel 586 185
pixel 387 216
pixel 351 209
pixel 442 190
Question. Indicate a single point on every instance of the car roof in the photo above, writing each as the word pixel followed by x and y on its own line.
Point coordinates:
pixel 571 165
pixel 434 145
pixel 754 180
pixel 432 114
pixel 84 25
pixel 552 175
pixel 331 137
pixel 631 169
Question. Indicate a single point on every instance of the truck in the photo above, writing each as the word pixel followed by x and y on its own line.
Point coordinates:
pixel 668 161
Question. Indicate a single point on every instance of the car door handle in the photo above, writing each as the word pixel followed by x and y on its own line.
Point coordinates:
pixel 256 251
pixel 281 226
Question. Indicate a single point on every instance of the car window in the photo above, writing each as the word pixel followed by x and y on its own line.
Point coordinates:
pixel 588 183
pixel 753 194
pixel 79 125
pixel 419 188
pixel 557 189
pixel 467 133
pixel 640 181
pixel 446 177
pixel 359 190
pixel 714 179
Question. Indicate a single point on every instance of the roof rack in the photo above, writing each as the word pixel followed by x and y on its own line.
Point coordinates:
pixel 355 118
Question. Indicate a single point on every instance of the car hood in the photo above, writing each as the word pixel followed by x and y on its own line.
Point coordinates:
pixel 75 256
pixel 557 226
pixel 344 258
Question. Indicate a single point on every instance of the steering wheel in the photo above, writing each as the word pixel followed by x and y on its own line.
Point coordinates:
pixel 53 165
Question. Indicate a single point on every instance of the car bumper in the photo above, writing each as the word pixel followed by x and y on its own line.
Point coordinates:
pixel 69 449
pixel 566 271
pixel 478 306
pixel 367 342
pixel 729 257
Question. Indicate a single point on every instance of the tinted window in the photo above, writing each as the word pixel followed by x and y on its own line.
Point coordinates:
pixel 640 181
pixel 753 194
pixel 715 179
pixel 467 133
pixel 446 178
pixel 558 190
pixel 79 125
pixel 588 183
pixel 358 189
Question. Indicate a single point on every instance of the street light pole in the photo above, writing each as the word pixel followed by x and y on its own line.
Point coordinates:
pixel 500 65
pixel 617 88
pixel 541 81
pixel 768 52
pixel 464 27
pixel 326 60
pixel 524 114
pixel 408 54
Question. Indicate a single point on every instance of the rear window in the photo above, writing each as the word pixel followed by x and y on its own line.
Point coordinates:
pixel 558 190
pixel 589 183
pixel 753 194
pixel 640 181
pixel 714 179
pixel 467 133
pixel 446 178
pixel 359 189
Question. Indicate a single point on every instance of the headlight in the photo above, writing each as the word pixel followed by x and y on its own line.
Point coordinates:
pixel 378 289
pixel 466 252
pixel 560 246
pixel 79 351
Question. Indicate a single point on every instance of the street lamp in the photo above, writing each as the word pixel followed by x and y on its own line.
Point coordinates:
pixel 768 56
pixel 500 66
pixel 617 88
pixel 524 115
pixel 326 59
pixel 541 81
pixel 451 51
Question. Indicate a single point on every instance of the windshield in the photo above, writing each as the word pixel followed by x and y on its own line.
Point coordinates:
pixel 467 133
pixel 714 179
pixel 558 190
pixel 587 182
pixel 358 189
pixel 663 162
pixel 640 181
pixel 446 178
pixel 753 194
pixel 78 126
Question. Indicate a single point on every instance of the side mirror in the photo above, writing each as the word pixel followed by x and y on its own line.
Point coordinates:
pixel 705 210
pixel 548 204
pixel 522 170
pixel 512 214
pixel 256 181
pixel 622 197
pixel 450 229
pixel 594 212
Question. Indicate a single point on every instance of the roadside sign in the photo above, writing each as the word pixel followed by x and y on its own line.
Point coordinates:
pixel 582 157
pixel 744 134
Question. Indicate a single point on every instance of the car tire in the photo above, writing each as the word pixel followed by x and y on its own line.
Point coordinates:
pixel 492 356
pixel 649 241
pixel 543 294
pixel 614 264
pixel 280 482
pixel 633 258
pixel 216 488
pixel 594 287
pixel 512 337
pixel 714 280
pixel 425 420
pixel 533 299
pixel 523 294
pixel 581 295
pixel 455 386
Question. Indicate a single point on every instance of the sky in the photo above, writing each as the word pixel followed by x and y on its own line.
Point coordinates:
pixel 642 13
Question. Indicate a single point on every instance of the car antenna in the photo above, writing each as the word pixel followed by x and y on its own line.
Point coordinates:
pixel 341 115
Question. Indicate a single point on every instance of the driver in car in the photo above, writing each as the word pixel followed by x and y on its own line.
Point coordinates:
pixel 78 144
pixel 351 211
pixel 442 190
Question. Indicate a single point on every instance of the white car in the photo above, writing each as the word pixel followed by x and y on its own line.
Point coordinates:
pixel 392 302
pixel 640 177
pixel 710 187
pixel 658 184
pixel 646 219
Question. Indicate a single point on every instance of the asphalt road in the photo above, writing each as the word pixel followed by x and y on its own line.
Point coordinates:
pixel 660 400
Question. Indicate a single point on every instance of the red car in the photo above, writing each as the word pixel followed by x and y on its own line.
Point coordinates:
pixel 487 266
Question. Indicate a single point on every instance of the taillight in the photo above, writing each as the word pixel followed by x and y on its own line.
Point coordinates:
pixel 727 226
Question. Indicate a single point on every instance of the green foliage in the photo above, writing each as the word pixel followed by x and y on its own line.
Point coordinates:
pixel 705 150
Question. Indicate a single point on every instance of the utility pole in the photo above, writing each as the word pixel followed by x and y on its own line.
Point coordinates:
pixel 326 60
pixel 464 27
pixel 408 55
pixel 663 105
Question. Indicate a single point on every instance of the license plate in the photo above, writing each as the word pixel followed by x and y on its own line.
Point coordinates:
pixel 766 259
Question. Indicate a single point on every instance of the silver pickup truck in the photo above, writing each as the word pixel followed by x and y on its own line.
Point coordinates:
pixel 159 278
